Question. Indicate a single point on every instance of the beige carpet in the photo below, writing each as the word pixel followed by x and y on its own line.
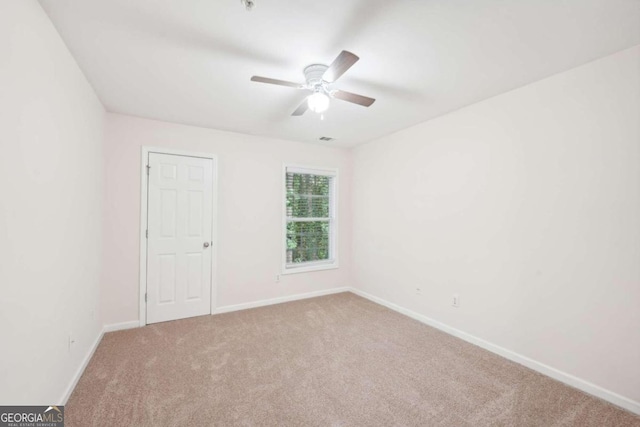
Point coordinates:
pixel 338 360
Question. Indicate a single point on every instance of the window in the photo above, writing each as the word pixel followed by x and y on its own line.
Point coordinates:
pixel 310 220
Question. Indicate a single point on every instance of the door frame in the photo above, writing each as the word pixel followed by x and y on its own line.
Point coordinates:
pixel 144 207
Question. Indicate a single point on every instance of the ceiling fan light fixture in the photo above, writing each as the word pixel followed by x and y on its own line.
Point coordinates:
pixel 318 102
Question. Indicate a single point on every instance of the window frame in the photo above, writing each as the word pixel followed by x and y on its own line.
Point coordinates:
pixel 332 262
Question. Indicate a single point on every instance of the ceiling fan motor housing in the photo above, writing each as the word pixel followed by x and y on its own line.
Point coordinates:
pixel 313 75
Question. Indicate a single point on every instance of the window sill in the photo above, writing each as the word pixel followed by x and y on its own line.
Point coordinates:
pixel 306 268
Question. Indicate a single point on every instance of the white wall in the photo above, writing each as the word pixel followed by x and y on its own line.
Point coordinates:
pixel 51 127
pixel 250 188
pixel 527 205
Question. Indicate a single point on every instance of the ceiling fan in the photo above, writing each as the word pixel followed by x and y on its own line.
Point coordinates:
pixel 319 79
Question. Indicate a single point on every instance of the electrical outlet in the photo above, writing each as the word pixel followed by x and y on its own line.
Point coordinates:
pixel 455 300
pixel 72 341
pixel 277 278
pixel 418 291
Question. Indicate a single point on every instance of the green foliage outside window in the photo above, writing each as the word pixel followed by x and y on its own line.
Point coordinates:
pixel 308 197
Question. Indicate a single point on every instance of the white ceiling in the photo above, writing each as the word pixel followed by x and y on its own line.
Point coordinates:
pixel 190 61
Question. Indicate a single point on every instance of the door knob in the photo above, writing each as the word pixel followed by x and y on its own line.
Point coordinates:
pixel 206 244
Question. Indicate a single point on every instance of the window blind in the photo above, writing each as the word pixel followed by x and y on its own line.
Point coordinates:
pixel 309 211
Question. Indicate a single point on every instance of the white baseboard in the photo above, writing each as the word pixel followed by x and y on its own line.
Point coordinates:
pixel 92 350
pixel 228 308
pixel 121 326
pixel 547 370
pixel 80 370
pixel 262 303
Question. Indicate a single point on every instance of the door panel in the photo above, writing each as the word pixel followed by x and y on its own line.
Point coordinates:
pixel 168 208
pixel 167 279
pixel 179 245
pixel 195 212
pixel 194 276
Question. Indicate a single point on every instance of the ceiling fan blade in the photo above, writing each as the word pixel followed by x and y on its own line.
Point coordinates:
pixel 365 101
pixel 340 65
pixel 276 82
pixel 301 109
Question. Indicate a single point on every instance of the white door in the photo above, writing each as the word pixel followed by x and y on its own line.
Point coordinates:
pixel 179 242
